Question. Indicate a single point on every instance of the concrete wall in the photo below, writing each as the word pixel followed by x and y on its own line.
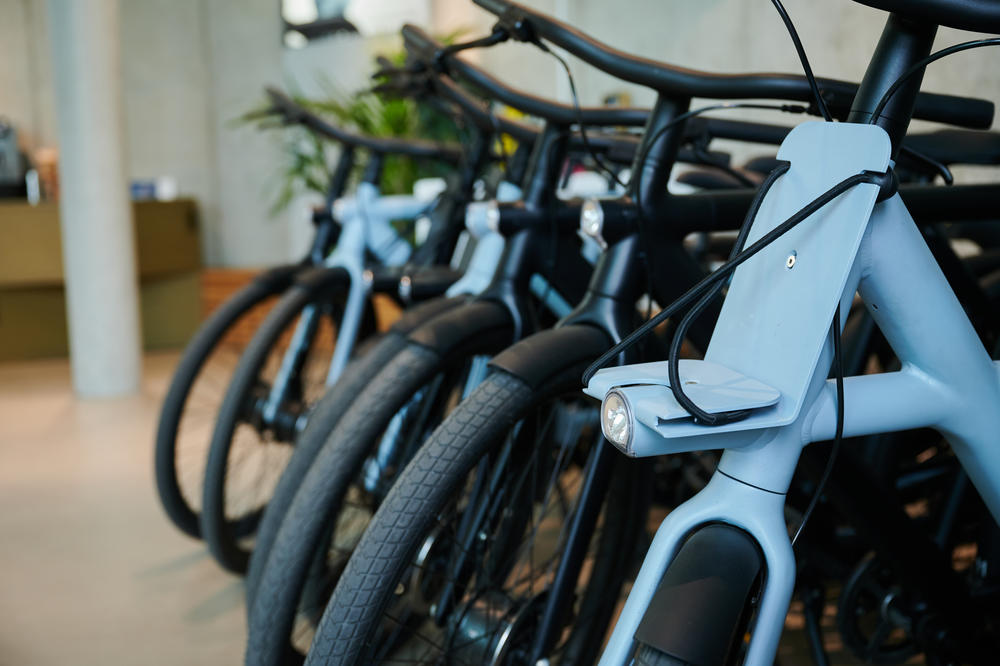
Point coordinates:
pixel 191 66
pixel 27 96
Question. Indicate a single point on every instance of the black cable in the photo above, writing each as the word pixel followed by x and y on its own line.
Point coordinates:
pixel 701 416
pixel 601 164
pixel 920 64
pixel 497 36
pixel 820 102
pixel 727 268
pixel 940 167
pixel 838 364
pixel 647 145
pixel 838 356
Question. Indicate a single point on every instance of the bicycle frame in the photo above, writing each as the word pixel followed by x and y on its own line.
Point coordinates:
pixel 774 329
pixel 365 227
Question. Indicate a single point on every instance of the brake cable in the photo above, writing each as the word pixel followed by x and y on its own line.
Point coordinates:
pixel 701 416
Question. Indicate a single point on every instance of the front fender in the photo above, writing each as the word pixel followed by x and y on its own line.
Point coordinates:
pixel 700 609
pixel 314 279
pixel 413 318
pixel 478 327
pixel 280 277
pixel 555 355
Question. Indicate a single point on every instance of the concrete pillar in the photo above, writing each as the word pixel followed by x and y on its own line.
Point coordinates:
pixel 97 237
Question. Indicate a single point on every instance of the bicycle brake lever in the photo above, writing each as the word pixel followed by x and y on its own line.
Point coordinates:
pixel 497 36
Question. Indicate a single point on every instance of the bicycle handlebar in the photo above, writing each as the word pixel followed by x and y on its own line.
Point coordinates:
pixel 600 142
pixel 292 112
pixel 426 49
pixel 527 24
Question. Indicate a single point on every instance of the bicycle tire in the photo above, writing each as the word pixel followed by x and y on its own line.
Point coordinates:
pixel 322 420
pixel 428 483
pixel 198 351
pixel 221 534
pixel 326 414
pixel 310 517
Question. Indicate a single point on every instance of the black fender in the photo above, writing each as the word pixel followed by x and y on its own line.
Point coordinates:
pixel 553 355
pixel 280 277
pixel 319 278
pixel 478 327
pixel 385 279
pixel 428 282
pixel 410 284
pixel 331 283
pixel 419 314
pixel 700 609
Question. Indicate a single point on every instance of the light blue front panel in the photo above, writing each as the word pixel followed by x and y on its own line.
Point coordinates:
pixel 776 316
pixel 775 319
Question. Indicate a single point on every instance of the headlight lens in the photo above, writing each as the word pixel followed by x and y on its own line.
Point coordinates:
pixel 616 422
pixel 592 218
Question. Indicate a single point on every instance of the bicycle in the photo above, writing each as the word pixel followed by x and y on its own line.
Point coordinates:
pixel 477 274
pixel 180 498
pixel 385 553
pixel 442 358
pixel 737 518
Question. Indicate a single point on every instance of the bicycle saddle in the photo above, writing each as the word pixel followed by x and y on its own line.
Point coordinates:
pixel 976 15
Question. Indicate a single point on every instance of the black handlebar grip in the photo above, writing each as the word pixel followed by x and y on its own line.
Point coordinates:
pixel 425 48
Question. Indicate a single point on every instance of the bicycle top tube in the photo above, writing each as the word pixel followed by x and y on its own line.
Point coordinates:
pixel 416 148
pixel 527 24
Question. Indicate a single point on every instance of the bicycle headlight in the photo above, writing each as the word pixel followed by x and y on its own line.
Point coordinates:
pixel 482 217
pixel 616 421
pixel 592 220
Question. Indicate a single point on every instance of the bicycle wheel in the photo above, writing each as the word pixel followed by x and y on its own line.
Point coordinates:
pixel 195 393
pixel 250 449
pixel 322 420
pixel 458 561
pixel 383 427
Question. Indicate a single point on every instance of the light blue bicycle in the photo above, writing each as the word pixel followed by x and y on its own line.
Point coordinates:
pixel 305 341
pixel 716 584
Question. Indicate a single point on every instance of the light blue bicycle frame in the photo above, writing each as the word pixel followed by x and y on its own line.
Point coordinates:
pixel 773 333
pixel 365 225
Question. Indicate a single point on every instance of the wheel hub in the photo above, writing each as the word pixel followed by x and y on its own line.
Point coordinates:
pixel 493 629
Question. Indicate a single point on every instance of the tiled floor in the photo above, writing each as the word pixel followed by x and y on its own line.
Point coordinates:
pixel 91 571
